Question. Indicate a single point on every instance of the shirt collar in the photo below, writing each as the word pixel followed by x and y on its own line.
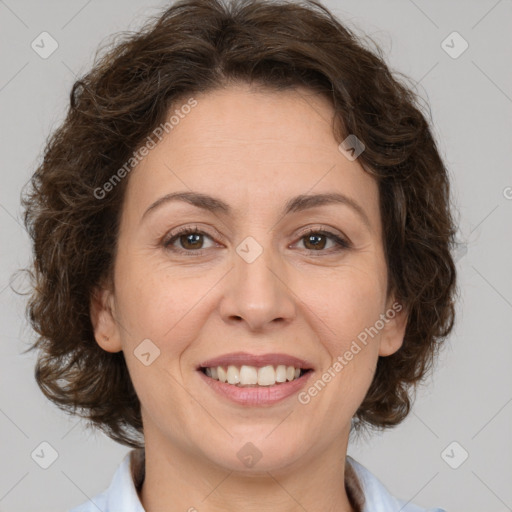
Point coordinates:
pixel 122 493
pixel 375 497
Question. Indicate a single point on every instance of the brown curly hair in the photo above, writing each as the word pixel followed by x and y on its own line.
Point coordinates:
pixel 196 46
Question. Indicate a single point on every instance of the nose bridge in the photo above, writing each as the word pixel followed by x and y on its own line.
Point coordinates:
pixel 258 292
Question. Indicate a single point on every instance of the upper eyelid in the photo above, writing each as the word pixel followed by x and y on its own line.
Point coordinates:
pixel 302 232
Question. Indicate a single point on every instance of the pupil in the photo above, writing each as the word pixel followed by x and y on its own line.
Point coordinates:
pixel 311 238
pixel 189 238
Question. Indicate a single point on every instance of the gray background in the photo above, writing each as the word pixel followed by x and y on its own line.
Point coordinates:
pixel 469 398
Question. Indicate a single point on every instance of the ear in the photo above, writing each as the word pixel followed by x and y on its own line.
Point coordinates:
pixel 392 335
pixel 106 331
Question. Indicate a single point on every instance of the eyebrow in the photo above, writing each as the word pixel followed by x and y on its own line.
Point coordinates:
pixel 295 204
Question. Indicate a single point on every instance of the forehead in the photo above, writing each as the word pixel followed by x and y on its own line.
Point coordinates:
pixel 254 149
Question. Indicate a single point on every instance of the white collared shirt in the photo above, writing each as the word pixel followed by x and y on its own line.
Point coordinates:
pixel 121 495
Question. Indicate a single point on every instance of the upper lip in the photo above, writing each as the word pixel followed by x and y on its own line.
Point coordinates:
pixel 258 360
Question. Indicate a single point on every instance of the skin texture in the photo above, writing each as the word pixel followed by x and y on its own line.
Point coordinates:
pixel 255 150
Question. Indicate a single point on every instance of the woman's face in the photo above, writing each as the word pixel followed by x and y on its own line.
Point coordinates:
pixel 251 281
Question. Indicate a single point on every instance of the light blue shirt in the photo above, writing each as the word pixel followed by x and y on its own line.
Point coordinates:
pixel 121 495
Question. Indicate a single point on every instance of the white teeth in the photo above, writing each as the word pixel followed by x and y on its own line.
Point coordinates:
pixel 233 375
pixel 281 373
pixel 253 376
pixel 221 374
pixel 248 375
pixel 266 376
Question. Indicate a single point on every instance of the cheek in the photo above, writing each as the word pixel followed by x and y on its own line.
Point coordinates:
pixel 345 325
pixel 355 299
pixel 154 302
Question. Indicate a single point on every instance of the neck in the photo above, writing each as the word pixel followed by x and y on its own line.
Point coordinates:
pixel 175 480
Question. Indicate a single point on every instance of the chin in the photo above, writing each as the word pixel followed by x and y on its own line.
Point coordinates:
pixel 256 454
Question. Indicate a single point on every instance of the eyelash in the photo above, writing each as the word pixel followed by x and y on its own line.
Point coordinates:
pixel 342 244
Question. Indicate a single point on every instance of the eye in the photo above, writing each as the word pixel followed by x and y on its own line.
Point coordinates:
pixel 191 239
pixel 315 240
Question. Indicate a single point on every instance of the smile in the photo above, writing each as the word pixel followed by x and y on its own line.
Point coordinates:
pixel 252 376
pixel 255 380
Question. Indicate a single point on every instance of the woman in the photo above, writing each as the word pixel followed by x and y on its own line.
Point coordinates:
pixel 242 238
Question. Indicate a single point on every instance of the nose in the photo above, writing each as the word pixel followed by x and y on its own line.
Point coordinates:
pixel 258 292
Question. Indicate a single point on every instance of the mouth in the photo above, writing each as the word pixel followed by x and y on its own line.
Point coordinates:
pixel 250 370
pixel 255 379
pixel 248 376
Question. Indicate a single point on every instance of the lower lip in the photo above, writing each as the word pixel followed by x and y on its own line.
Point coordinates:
pixel 256 396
